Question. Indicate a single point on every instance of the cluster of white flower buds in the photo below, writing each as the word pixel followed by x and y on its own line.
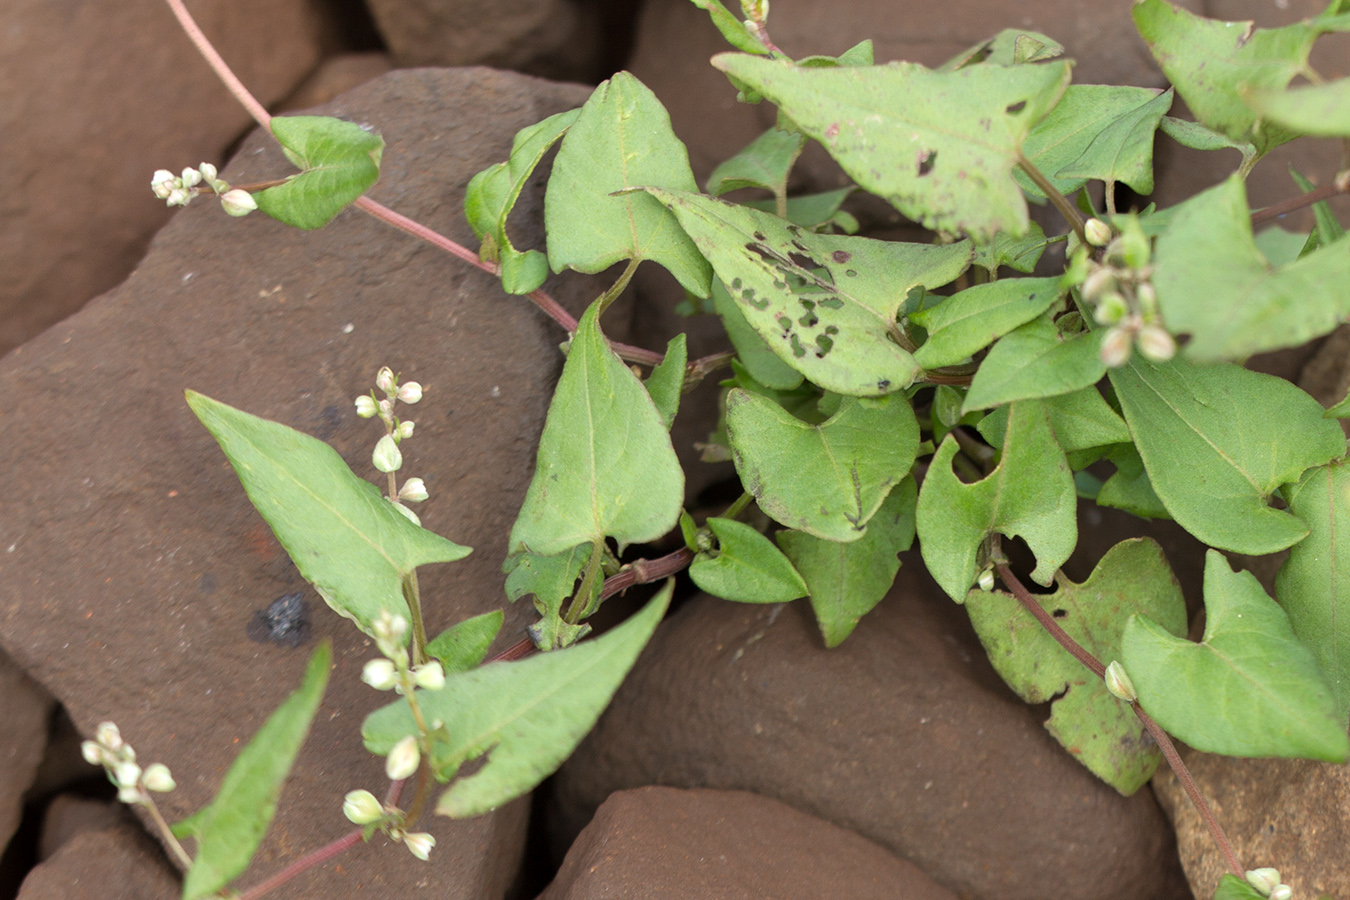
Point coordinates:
pixel 1267 883
pixel 393 671
pixel 362 808
pixel 1122 295
pixel 178 190
pixel 118 759
pixel 388 458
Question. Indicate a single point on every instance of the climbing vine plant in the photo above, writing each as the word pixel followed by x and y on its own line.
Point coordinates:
pixel 958 391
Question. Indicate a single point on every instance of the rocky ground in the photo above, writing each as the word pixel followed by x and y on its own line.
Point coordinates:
pixel 741 759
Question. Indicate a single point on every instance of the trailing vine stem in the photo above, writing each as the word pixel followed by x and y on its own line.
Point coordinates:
pixel 1165 744
pixel 1060 202
pixel 1338 185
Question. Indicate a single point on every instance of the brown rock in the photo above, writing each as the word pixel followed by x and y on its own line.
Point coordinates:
pixel 116 864
pixel 25 709
pixel 661 842
pixel 1292 814
pixel 137 561
pixel 70 815
pixel 93 98
pixel 336 76
pixel 904 734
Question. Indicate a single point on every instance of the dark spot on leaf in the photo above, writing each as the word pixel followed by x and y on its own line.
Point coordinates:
pixel 826 344
pixel 927 160
pixel 842 256
pixel 759 236
pixel 1015 108
pixel 1060 613
pixel 285 621
pixel 802 247
pixel 883 384
pixel 831 302
pixel 804 262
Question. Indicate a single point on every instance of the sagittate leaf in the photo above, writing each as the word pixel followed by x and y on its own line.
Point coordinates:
pixel 746 567
pixel 1213 64
pixel 338 162
pixel 1214 283
pixel 1129 488
pixel 1100 731
pixel 1218 440
pixel 732 28
pixel 229 831
pixel 493 192
pixel 976 317
pixel 605 465
pixel 1322 109
pixel 1080 420
pixel 829 479
pixel 753 351
pixel 1313 585
pixel 764 163
pixel 1248 689
pixel 345 538
pixel 1030 494
pixel 1035 360
pixel 846 581
pixel 525 716
pixel 463 646
pixel 825 304
pixel 622 139
pixel 940 146
pixel 1097 131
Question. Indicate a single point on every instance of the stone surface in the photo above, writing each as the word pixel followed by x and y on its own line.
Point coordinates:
pixel 135 562
pixel 1292 814
pixel 116 864
pixel 25 710
pixel 904 734
pixel 70 815
pixel 93 98
pixel 731 845
pixel 336 76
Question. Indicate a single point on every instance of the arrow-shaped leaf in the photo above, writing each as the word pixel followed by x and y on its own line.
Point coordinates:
pixel 339 161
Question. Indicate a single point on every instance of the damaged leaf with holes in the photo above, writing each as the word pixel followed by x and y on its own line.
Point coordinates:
pixel 826 305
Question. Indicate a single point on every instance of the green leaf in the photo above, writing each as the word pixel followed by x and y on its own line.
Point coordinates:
pixel 845 581
pixel 1313 585
pixel 345 538
pixel 1198 137
pixel 551 579
pixel 760 362
pixel 746 567
pixel 1213 282
pixel 1248 689
pixel 605 464
pixel 1218 440
pixel 1100 731
pixel 976 317
pixel 1099 132
pixel 1010 47
pixel 1232 887
pixel 667 379
pixel 525 716
pixel 1213 63
pixel 463 646
pixel 732 28
pixel 339 161
pixel 493 192
pixel 825 304
pixel 860 54
pixel 812 211
pixel 1035 360
pixel 229 831
pixel 1329 229
pixel 1081 420
pixel 1018 253
pixel 621 139
pixel 1339 410
pixel 765 163
pixel 1030 494
pixel 940 146
pixel 1322 109
pixel 1280 247
pixel 829 479
pixel 1129 488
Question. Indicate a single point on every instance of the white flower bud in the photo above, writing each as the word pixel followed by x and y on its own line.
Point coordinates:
pixel 158 778
pixel 366 407
pixel 429 676
pixel 410 392
pixel 403 759
pixel 1147 296
pixel 1097 283
pixel 127 774
pixel 404 430
pixel 1097 232
pixel 362 808
pixel 419 844
pixel 389 628
pixel 384 379
pixel 1116 347
pixel 414 490
pixel 208 172
pixel 130 794
pixel 1281 892
pixel 1119 684
pixel 1264 880
pixel 92 753
pixel 179 197
pixel 986 580
pixel 381 674
pixel 387 457
pixel 163 183
pixel 238 202
pixel 386 409
pixel 1156 344
pixel 191 177
pixel 108 736
pixel 1111 308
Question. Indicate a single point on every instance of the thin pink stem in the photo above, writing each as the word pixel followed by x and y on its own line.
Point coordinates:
pixel 309 861
pixel 219 66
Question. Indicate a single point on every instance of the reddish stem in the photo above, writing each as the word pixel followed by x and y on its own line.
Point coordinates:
pixel 1340 185
pixel 1169 751
pixel 309 861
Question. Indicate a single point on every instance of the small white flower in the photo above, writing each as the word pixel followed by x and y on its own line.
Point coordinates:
pixel 208 172
pixel 986 580
pixel 92 753
pixel 1281 892
pixel 384 379
pixel 179 197
pixel 1119 684
pixel 404 430
pixel 403 760
pixel 414 490
pixel 191 177
pixel 1097 232
pixel 362 808
pixel 410 392
pixel 1116 347
pixel 158 778
pixel 131 794
pixel 127 774
pixel 381 674
pixel 238 202
pixel 366 407
pixel 1111 308
pixel 429 676
pixel 108 736
pixel 1156 344
pixel 387 457
pixel 419 844
pixel 1264 880
pixel 163 183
